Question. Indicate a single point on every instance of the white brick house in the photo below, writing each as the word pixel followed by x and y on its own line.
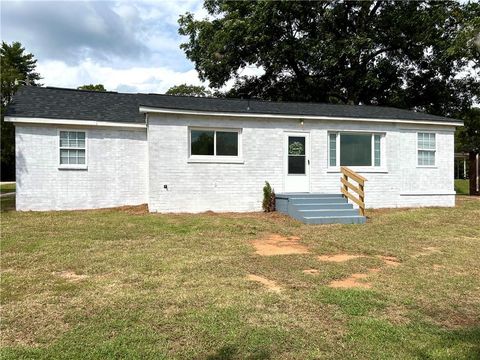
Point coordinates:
pixel 82 150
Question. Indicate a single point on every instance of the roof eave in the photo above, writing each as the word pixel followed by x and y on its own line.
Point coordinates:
pixel 70 122
pixel 158 110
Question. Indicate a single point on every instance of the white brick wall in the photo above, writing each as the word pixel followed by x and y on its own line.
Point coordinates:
pixel 126 169
pixel 194 187
pixel 117 171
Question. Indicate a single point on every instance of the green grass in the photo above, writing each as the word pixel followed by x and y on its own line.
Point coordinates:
pixel 111 284
pixel 6 188
pixel 462 187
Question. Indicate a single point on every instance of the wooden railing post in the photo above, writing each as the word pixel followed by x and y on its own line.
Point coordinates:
pixel 358 189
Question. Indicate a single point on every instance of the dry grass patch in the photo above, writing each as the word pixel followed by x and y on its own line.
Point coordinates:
pixel 269 284
pixel 339 257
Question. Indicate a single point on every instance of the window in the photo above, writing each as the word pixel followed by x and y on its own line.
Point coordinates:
pixel 355 149
pixel 296 155
pixel 72 148
pixel 426 149
pixel 214 143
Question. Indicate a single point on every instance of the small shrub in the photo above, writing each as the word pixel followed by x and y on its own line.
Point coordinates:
pixel 268 203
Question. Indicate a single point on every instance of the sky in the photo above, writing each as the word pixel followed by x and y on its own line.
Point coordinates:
pixel 128 46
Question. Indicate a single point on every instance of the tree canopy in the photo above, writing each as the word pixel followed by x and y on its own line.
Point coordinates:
pixel 92 87
pixel 468 136
pixel 188 90
pixel 407 54
pixel 17 68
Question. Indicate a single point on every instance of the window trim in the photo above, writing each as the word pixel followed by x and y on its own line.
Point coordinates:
pixel 228 159
pixel 72 166
pixel 431 150
pixel 372 168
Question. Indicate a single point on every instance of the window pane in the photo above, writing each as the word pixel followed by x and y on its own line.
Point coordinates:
pixel 63 138
pixel 426 158
pixel 227 143
pixel 63 156
pixel 376 141
pixel 426 141
pixel 74 139
pixel 296 145
pixel 356 149
pixel 202 142
pixel 296 164
pixel 333 150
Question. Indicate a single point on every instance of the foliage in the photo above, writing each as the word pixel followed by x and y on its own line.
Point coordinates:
pixel 462 186
pixel 17 68
pixel 407 54
pixel 92 87
pixel 468 136
pixel 189 90
pixel 268 203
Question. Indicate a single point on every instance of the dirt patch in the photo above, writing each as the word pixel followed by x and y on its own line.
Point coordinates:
pixel 389 260
pixel 338 257
pixel 353 281
pixel 269 284
pixel 135 209
pixel 275 244
pixel 70 275
pixel 310 271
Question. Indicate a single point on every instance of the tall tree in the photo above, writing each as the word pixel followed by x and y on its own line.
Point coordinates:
pixel 92 87
pixel 17 68
pixel 188 90
pixel 408 54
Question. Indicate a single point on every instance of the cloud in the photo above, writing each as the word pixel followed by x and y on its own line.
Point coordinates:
pixel 133 79
pixel 126 45
pixel 71 31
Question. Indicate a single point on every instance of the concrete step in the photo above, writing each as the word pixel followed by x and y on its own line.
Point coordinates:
pixel 317 200
pixel 335 220
pixel 320 206
pixel 306 195
pixel 327 212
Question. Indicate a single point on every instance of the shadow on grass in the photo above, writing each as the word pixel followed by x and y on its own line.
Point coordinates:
pixel 7 203
pixel 231 352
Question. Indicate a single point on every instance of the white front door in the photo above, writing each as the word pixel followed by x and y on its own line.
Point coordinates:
pixel 297 162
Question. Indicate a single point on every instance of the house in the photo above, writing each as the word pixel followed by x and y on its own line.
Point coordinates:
pixel 79 149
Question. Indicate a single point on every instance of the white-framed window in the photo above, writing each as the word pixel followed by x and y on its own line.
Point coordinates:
pixel 362 149
pixel 215 144
pixel 72 149
pixel 426 149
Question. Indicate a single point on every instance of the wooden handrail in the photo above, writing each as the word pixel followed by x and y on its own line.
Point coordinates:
pixel 359 190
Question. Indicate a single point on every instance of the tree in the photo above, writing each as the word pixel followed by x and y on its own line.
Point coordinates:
pixel 17 68
pixel 188 90
pixel 92 87
pixel 468 136
pixel 407 54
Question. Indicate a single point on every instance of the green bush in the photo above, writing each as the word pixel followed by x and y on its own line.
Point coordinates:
pixel 268 203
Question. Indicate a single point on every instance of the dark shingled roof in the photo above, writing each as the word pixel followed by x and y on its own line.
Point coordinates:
pixel 57 103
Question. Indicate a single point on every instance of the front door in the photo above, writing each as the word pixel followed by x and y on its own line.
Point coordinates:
pixel 297 162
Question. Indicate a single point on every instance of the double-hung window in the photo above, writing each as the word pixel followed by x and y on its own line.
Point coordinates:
pixel 355 149
pixel 215 144
pixel 72 149
pixel 426 148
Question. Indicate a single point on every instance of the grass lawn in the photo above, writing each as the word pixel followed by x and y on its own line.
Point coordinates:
pixel 6 188
pixel 462 186
pixel 126 284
